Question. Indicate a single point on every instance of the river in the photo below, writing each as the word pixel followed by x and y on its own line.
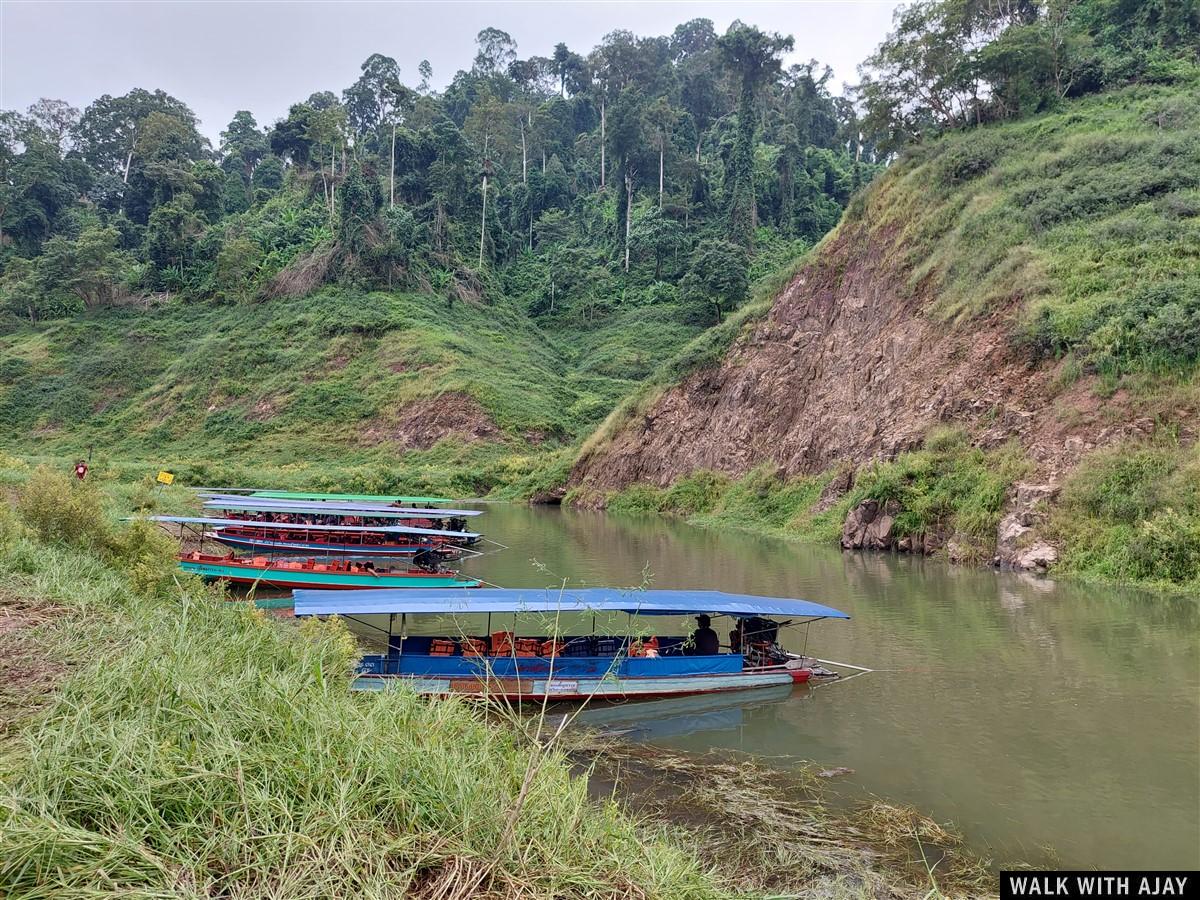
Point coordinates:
pixel 1054 723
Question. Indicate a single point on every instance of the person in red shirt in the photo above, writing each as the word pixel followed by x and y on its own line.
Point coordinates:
pixel 81 470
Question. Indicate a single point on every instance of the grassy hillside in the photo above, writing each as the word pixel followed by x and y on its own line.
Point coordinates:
pixel 368 390
pixel 1072 237
pixel 1088 218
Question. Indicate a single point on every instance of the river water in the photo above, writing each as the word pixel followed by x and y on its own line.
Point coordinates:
pixel 1053 723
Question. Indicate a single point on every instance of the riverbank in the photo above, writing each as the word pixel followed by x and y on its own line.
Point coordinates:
pixel 159 739
pixel 1130 516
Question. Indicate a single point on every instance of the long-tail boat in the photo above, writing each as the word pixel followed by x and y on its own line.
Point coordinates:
pixel 330 572
pixel 254 529
pixel 266 538
pixel 571 666
pixel 302 495
pixel 333 574
pixel 368 498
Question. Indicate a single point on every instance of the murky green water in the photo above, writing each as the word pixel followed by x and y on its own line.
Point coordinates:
pixel 1052 722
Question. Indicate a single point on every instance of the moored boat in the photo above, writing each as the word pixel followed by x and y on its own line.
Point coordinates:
pixel 572 666
pixel 437 527
pixel 263 538
pixel 334 574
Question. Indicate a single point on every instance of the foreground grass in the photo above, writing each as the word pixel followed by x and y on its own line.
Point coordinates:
pixel 199 748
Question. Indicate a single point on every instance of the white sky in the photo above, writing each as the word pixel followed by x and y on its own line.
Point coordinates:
pixel 219 56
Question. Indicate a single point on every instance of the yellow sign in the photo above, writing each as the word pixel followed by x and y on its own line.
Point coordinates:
pixel 166 478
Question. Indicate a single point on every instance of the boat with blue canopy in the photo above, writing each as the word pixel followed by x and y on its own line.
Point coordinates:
pixel 645 661
pixel 384 510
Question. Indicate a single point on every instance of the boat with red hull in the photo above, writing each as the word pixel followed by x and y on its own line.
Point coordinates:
pixel 263 538
pixel 334 574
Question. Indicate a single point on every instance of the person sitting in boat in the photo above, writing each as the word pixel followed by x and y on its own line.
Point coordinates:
pixel 703 641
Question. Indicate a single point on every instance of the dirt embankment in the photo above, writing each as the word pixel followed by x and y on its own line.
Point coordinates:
pixel 422 423
pixel 846 368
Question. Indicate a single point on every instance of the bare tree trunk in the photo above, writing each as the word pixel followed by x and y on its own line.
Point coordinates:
pixel 332 177
pixel 628 213
pixel 660 174
pixel 697 150
pixel 392 171
pixel 524 162
pixel 483 221
pixel 128 163
pixel 543 161
pixel 603 139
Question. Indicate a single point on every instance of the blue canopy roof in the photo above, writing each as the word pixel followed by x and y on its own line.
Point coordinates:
pixel 500 600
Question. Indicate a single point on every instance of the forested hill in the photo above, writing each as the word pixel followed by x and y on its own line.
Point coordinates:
pixel 394 287
pixel 389 266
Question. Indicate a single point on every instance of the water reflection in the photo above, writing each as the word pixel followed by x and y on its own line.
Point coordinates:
pixel 695 717
pixel 1031 713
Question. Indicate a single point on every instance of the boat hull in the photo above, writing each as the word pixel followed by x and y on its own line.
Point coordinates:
pixel 316 548
pixel 300 578
pixel 606 688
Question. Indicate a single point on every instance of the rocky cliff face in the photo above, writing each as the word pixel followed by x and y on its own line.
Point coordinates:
pixel 847 368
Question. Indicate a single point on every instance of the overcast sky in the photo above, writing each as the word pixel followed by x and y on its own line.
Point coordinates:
pixel 219 56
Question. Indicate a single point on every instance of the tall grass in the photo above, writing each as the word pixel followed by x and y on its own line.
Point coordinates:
pixel 1083 221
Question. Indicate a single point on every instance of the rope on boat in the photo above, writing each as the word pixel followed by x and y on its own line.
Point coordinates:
pixel 842 665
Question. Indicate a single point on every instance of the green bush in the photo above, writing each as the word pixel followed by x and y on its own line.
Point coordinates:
pixel 1166 547
pixel 147 555
pixel 63 510
pixel 1132 513
pixel 949 487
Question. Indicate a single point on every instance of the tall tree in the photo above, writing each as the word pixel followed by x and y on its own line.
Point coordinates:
pixel 753 56
pixel 243 145
pixel 56 119
pixel 371 100
pixel 109 128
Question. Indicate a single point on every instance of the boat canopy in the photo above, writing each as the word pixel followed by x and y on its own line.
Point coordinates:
pixel 243 523
pixel 366 498
pixel 552 600
pixel 249 504
pixel 300 495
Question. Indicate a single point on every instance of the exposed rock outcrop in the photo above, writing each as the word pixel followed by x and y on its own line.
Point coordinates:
pixel 870 526
pixel 1017 543
pixel 422 423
